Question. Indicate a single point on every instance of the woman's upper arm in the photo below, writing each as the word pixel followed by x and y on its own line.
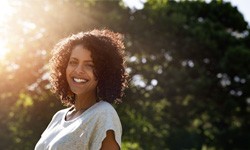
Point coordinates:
pixel 109 143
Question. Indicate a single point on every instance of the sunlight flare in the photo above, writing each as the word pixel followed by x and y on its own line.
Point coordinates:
pixel 5 11
pixel 3 49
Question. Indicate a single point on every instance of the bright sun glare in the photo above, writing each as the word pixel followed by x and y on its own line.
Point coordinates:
pixel 5 12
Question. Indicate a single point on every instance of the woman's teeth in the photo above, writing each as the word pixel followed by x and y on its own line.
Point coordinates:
pixel 79 80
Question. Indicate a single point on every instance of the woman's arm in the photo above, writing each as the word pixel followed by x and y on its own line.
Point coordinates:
pixel 109 143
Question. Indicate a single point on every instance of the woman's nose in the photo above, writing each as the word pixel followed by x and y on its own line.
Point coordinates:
pixel 79 69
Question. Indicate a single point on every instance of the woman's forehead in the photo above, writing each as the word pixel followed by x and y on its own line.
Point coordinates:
pixel 80 52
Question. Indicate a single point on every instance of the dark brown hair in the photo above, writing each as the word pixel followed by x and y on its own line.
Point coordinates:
pixel 107 52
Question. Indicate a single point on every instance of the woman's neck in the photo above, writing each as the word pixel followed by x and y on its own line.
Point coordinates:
pixel 84 102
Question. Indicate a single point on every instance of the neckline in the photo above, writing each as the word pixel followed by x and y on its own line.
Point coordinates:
pixel 76 118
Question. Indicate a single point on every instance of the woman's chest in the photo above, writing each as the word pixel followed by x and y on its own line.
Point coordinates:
pixel 74 136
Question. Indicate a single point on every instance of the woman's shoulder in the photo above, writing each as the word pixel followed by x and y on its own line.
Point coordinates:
pixel 105 112
pixel 61 113
pixel 105 106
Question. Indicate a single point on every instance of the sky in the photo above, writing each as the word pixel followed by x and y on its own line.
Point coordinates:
pixel 243 6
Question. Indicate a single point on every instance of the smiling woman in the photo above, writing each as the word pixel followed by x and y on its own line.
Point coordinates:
pixel 88 74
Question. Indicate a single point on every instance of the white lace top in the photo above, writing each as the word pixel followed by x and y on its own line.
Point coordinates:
pixel 86 132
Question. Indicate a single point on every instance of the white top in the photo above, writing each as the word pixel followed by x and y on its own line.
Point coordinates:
pixel 85 132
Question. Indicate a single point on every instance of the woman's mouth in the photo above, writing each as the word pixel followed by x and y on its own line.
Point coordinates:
pixel 79 80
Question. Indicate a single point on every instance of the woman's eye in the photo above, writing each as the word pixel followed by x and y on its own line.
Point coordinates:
pixel 90 66
pixel 72 62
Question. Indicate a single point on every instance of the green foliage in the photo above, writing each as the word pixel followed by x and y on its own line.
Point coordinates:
pixel 188 63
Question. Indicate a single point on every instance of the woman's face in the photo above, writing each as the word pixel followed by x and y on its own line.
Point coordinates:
pixel 80 72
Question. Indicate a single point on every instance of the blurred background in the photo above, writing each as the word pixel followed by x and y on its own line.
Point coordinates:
pixel 188 62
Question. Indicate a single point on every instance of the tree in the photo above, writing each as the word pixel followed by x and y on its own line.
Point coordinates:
pixel 196 52
pixel 188 63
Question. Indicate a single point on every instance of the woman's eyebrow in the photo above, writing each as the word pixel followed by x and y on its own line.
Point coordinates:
pixel 73 58
pixel 88 61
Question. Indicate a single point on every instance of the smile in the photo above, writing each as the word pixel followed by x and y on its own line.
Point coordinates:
pixel 78 80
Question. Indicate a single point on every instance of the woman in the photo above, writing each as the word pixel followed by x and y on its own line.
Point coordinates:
pixel 88 73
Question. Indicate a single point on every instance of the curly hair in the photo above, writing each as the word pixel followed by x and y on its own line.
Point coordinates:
pixel 107 52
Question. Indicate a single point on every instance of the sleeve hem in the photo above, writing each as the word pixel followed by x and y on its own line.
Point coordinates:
pixel 117 138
